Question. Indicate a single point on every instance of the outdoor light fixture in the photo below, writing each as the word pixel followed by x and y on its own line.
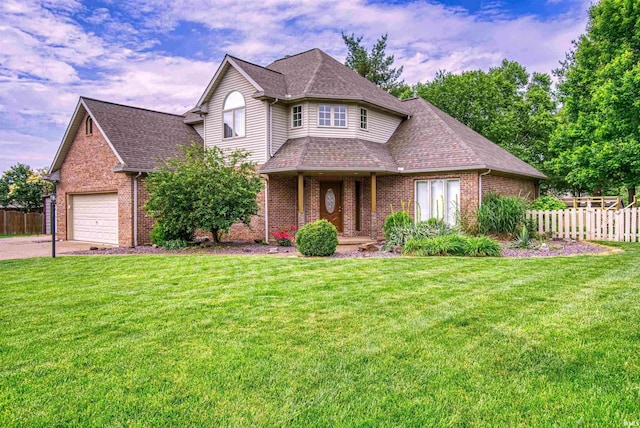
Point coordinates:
pixel 52 197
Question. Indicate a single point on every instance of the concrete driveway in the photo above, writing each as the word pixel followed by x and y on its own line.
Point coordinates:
pixel 26 247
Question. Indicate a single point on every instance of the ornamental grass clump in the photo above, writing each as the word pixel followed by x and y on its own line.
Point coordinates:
pixel 502 215
pixel 453 245
pixel 319 238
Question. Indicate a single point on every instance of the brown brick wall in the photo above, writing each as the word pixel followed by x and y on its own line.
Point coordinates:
pixel 145 223
pixel 395 190
pixel 87 168
pixel 512 186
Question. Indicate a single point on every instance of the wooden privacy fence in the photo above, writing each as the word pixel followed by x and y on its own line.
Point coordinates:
pixel 17 223
pixel 592 224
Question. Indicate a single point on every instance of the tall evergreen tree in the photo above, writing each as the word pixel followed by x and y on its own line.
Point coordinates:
pixel 376 66
pixel 598 140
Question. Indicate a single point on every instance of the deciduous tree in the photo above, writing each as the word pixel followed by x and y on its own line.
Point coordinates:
pixel 507 105
pixel 23 188
pixel 205 189
pixel 598 140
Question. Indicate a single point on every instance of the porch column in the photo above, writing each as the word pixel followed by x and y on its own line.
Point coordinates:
pixel 300 200
pixel 374 215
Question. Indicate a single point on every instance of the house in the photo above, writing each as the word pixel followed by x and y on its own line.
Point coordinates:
pixel 328 144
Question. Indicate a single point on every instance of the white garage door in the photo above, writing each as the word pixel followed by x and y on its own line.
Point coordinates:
pixel 95 217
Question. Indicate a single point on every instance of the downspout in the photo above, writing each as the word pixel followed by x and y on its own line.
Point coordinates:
pixel 266 187
pixel 480 186
pixel 266 209
pixel 135 209
pixel 271 127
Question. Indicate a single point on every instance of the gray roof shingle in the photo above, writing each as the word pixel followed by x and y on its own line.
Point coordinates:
pixel 334 154
pixel 433 140
pixel 141 137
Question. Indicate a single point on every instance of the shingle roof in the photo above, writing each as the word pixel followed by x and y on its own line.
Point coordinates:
pixel 139 137
pixel 315 74
pixel 272 82
pixel 335 154
pixel 433 140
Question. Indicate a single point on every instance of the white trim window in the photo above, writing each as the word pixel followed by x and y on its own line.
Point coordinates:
pixel 363 119
pixel 438 199
pixel 332 115
pixel 296 117
pixel 233 115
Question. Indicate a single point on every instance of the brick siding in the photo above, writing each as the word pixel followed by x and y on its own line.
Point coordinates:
pixel 87 168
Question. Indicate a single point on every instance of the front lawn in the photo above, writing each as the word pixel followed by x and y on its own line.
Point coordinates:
pixel 270 341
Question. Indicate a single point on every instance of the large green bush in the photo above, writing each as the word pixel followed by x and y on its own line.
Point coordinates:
pixel 319 238
pixel 548 203
pixel 399 231
pixel 453 245
pixel 501 214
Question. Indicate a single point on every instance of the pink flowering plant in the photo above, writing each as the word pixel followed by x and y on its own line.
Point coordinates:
pixel 286 237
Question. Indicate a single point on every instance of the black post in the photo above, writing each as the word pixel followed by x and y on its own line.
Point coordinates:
pixel 53 226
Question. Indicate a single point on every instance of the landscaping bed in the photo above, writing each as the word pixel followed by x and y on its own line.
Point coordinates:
pixel 552 248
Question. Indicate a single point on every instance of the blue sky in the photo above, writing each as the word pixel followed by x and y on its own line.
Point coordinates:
pixel 160 54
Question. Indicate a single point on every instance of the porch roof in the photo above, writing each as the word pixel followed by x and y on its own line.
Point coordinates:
pixel 330 154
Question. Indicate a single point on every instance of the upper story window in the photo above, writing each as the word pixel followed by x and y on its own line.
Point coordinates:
pixel 296 117
pixel 88 126
pixel 363 118
pixel 332 115
pixel 233 115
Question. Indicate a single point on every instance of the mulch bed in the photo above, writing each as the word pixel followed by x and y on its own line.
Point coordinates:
pixel 552 248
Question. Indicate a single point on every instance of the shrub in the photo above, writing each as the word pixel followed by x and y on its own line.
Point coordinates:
pixel 447 245
pixel 482 246
pixel 400 234
pixel 548 203
pixel 453 245
pixel 397 220
pixel 160 235
pixel 319 238
pixel 175 244
pixel 501 214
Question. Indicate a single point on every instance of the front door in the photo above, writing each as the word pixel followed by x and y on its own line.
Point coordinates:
pixel 331 202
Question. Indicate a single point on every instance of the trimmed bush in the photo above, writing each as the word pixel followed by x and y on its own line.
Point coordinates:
pixel 453 245
pixel 548 203
pixel 396 221
pixel 501 214
pixel 175 244
pixel 319 238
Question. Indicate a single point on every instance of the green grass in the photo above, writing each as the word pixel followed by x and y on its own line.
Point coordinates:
pixel 18 235
pixel 269 341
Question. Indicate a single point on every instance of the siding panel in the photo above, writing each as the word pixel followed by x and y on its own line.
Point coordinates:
pixel 255 116
pixel 280 124
pixel 199 128
pixel 380 126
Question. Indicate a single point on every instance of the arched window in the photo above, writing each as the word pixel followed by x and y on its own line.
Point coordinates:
pixel 233 115
pixel 89 126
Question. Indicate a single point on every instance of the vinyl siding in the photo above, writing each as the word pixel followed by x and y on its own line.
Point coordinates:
pixel 199 128
pixel 304 130
pixel 330 132
pixel 380 126
pixel 280 117
pixel 255 118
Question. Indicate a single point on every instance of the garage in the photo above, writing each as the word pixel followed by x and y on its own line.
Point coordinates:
pixel 94 217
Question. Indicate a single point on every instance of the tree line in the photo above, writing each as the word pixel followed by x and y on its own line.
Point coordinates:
pixel 583 132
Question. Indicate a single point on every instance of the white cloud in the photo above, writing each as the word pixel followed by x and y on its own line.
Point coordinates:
pixel 48 59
